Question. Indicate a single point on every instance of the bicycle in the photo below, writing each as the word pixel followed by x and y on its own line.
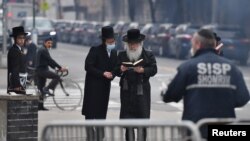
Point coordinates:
pixel 66 97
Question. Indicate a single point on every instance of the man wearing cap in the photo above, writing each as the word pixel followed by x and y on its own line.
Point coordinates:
pixel 16 62
pixel 210 85
pixel 134 83
pixel 99 65
pixel 43 62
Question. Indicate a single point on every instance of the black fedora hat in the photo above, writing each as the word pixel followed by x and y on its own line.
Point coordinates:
pixel 133 35
pixel 19 30
pixel 107 32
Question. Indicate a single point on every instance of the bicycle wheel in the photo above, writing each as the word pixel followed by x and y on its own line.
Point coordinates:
pixel 68 95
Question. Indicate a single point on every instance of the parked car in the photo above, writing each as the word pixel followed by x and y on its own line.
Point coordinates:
pixel 236 45
pixel 157 37
pixel 180 43
pixel 44 27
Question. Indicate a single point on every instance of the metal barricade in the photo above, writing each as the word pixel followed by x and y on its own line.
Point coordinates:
pixel 202 124
pixel 107 130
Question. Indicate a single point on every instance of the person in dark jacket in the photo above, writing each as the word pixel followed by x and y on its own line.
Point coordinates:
pixel 31 52
pixel 16 62
pixel 99 65
pixel 43 62
pixel 210 85
pixel 30 58
pixel 134 83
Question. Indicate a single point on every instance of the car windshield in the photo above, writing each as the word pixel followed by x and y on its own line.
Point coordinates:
pixel 40 23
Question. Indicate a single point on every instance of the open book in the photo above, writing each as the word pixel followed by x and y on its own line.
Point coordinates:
pixel 131 64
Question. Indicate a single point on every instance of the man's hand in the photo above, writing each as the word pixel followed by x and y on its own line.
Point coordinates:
pixel 108 75
pixel 123 68
pixel 139 69
pixel 18 89
pixel 63 69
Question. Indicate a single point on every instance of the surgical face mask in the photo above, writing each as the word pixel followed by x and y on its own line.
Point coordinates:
pixel 110 47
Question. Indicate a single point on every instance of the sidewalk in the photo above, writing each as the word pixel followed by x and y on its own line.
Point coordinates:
pixel 45 117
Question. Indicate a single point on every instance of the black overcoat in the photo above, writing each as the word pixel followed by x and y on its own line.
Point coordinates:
pixel 16 65
pixel 135 89
pixel 97 87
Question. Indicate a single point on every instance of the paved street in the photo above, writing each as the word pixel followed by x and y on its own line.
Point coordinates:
pixel 73 57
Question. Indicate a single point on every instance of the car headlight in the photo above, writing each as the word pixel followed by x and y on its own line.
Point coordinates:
pixel 52 33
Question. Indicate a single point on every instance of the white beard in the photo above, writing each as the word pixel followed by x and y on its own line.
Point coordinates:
pixel 134 55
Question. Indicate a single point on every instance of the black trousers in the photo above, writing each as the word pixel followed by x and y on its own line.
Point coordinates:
pixel 141 134
pixel 94 133
pixel 42 76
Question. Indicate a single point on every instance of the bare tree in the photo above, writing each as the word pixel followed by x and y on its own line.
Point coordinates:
pixel 131 9
pixel 152 9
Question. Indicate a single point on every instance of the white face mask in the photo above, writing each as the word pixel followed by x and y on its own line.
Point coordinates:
pixel 110 47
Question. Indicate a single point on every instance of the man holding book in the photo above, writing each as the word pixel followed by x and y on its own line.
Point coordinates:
pixel 135 66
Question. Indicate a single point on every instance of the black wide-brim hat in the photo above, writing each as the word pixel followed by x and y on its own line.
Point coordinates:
pixel 133 35
pixel 107 32
pixel 19 30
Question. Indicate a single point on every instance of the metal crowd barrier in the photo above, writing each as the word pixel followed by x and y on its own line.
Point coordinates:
pixel 202 124
pixel 108 130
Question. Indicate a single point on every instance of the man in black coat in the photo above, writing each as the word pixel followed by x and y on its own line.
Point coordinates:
pixel 99 66
pixel 43 62
pixel 210 85
pixel 16 62
pixel 135 87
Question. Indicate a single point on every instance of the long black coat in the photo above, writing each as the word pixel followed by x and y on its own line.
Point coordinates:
pixel 16 65
pixel 135 104
pixel 97 87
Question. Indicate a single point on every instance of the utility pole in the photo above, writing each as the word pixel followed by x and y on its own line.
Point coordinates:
pixel 3 56
pixel 4 48
pixel 34 30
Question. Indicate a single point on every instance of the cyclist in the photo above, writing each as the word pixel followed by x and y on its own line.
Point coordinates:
pixel 43 61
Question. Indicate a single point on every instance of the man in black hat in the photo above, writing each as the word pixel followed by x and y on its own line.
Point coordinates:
pixel 43 62
pixel 16 62
pixel 99 66
pixel 134 82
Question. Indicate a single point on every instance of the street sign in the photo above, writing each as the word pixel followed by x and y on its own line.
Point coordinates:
pixel 45 6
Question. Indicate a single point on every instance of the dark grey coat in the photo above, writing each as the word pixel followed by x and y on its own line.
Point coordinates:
pixel 97 87
pixel 135 88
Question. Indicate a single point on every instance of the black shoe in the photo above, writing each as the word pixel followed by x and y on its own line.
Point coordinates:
pixel 46 91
